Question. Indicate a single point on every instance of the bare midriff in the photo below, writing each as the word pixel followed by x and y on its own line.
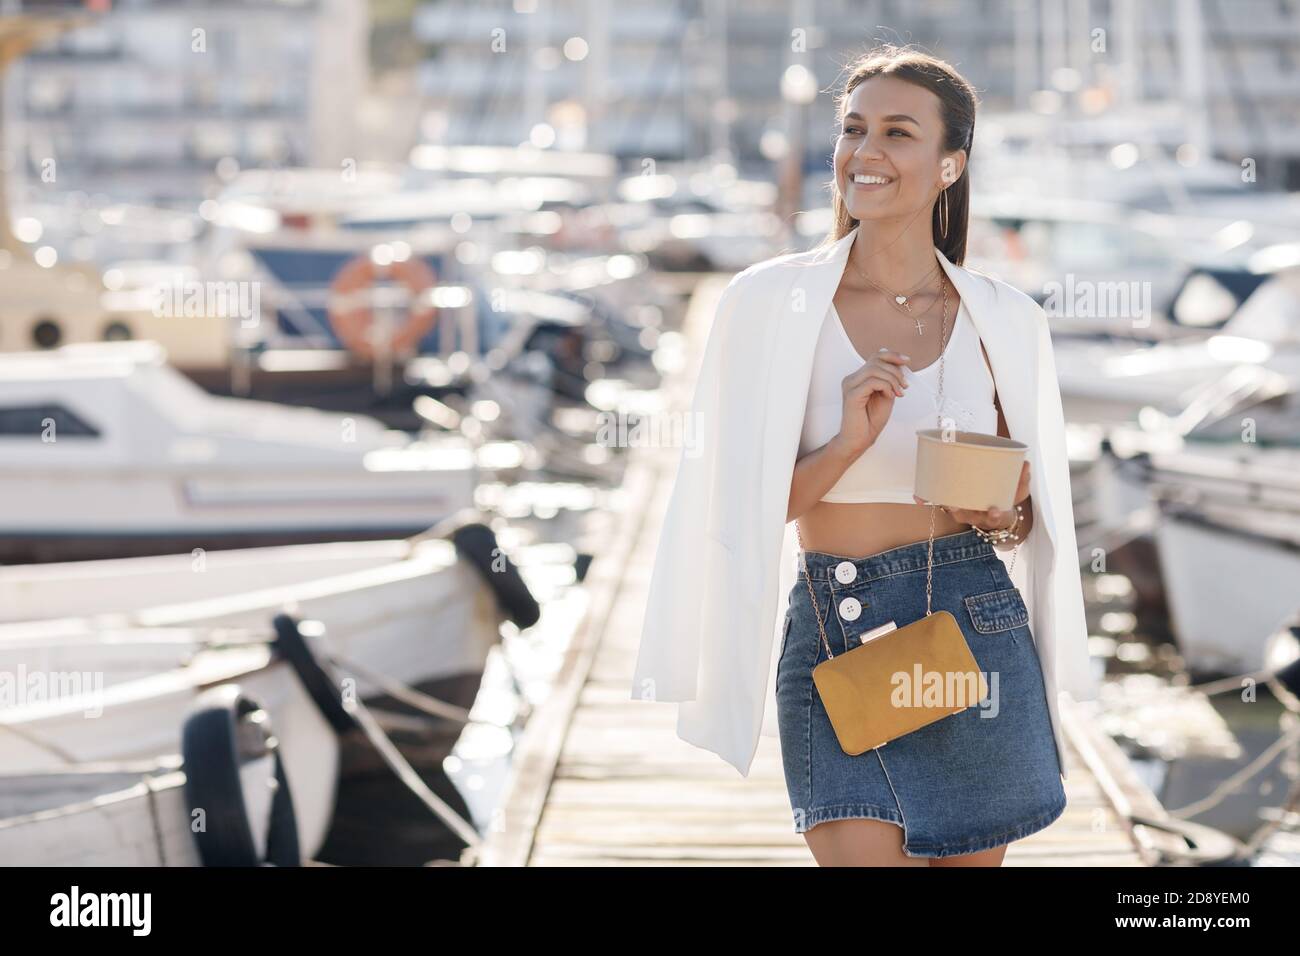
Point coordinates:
pixel 858 530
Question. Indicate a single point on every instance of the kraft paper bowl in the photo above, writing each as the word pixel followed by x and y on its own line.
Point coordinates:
pixel 970 470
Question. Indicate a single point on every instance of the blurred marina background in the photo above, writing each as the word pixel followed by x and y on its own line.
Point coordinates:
pixel 331 332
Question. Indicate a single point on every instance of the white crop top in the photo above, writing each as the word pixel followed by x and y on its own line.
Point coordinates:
pixel 886 471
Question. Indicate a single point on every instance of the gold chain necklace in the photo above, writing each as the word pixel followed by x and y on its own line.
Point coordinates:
pixel 899 298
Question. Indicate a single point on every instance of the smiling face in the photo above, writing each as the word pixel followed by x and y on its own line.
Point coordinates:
pixel 889 156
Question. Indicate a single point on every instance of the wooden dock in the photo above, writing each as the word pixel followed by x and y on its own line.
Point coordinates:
pixel 600 779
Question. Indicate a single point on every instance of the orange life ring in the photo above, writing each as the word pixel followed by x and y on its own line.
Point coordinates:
pixel 352 323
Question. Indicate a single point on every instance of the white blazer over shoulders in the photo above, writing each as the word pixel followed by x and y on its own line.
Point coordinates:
pixel 727 558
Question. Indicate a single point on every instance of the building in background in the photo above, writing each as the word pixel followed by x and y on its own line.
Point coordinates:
pixel 148 102
pixel 694 79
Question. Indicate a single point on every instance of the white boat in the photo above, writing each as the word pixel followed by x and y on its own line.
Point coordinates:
pixel 91 704
pixel 111 818
pixel 293 231
pixel 1106 381
pixel 412 610
pixel 1218 490
pixel 1230 573
pixel 409 612
pixel 1123 401
pixel 106 450
pixel 1128 263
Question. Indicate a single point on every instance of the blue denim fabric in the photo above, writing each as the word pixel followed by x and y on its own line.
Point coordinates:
pixel 973 780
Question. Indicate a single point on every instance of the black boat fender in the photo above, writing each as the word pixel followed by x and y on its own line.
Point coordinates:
pixel 477 544
pixel 314 673
pixel 224 731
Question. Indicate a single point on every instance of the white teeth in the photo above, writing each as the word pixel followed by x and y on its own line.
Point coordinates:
pixel 860 178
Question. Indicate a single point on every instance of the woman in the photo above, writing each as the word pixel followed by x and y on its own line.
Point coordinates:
pixel 818 372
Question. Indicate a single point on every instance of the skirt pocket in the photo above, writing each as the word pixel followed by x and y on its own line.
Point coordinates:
pixel 997 611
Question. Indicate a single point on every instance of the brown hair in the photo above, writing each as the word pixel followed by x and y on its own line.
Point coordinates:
pixel 957 102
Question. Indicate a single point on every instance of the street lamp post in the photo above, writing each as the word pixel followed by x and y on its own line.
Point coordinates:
pixel 798 90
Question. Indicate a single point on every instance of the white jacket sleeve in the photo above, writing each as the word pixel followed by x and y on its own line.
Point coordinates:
pixel 1074 671
pixel 667 666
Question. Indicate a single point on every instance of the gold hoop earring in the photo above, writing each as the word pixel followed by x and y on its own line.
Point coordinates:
pixel 943 214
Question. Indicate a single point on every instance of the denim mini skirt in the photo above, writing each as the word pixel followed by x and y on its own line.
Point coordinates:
pixel 970 781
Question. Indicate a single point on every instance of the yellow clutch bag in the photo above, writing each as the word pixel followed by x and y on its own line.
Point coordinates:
pixel 884 687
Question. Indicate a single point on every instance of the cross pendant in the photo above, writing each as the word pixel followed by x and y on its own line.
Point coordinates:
pixel 919 326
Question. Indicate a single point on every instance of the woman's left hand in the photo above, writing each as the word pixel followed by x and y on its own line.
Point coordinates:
pixel 995 518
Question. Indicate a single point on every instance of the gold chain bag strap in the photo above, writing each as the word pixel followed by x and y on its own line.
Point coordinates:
pixel 858 688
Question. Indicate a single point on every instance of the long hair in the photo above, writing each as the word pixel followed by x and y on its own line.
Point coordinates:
pixel 957 103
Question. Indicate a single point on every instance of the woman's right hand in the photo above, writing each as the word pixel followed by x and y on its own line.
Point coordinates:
pixel 869 395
